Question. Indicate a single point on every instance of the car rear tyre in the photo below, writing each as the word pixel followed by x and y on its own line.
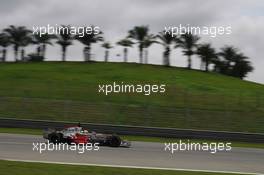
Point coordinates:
pixel 54 138
pixel 114 141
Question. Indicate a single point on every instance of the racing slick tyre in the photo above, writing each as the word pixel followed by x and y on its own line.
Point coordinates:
pixel 114 141
pixel 55 138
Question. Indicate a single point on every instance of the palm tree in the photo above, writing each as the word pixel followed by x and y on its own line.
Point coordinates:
pixel 4 42
pixel 125 43
pixel 65 39
pixel 218 64
pixel 24 43
pixel 107 46
pixel 241 67
pixel 147 42
pixel 42 42
pixel 88 39
pixel 206 53
pixel 228 55
pixel 166 40
pixel 234 63
pixel 188 42
pixel 139 33
pixel 19 36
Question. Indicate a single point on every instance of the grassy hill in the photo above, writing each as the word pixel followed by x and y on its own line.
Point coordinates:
pixel 69 91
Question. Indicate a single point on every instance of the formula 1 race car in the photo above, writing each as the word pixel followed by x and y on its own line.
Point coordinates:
pixel 78 135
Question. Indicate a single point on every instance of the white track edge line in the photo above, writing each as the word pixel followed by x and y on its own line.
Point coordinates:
pixel 135 167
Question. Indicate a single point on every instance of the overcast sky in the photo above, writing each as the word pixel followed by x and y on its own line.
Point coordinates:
pixel 116 17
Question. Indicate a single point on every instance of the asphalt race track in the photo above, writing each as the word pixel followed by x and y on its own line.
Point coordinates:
pixel 141 154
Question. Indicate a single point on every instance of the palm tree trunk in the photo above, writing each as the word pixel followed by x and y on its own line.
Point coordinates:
pixel 125 54
pixel 4 55
pixel 16 52
pixel 146 56
pixel 38 50
pixel 106 55
pixel 22 54
pixel 206 66
pixel 166 56
pixel 141 55
pixel 63 53
pixel 43 50
pixel 202 65
pixel 87 53
pixel 189 62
